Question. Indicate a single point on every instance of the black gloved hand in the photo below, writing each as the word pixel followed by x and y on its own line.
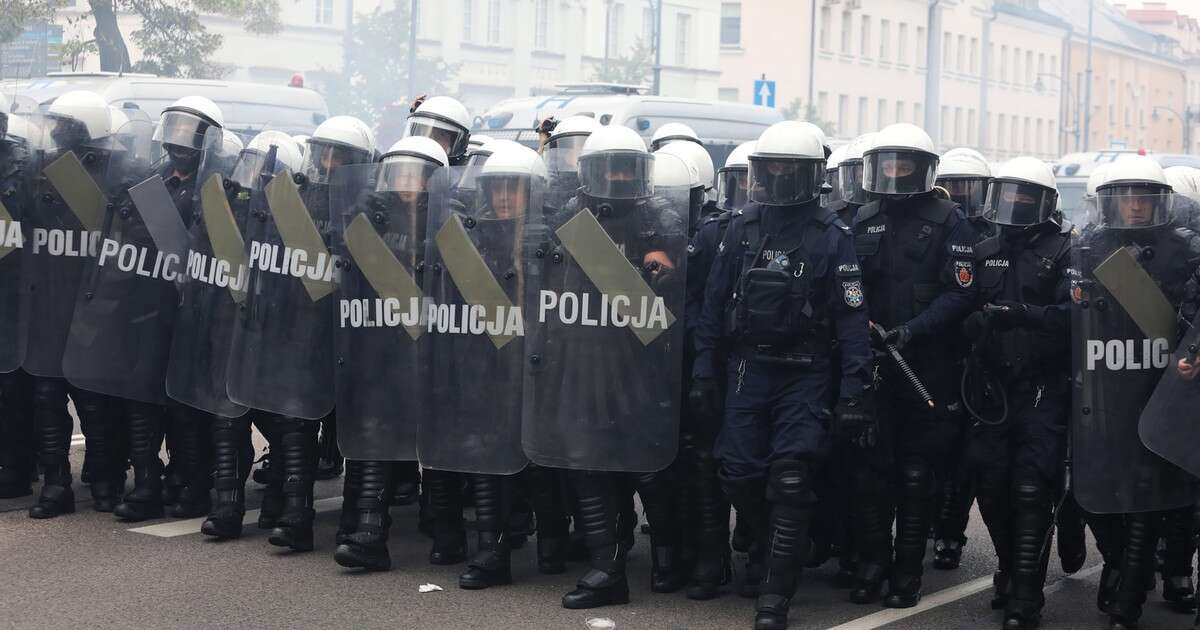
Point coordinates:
pixel 705 397
pixel 854 420
pixel 898 336
pixel 547 126
pixel 1007 314
pixel 417 102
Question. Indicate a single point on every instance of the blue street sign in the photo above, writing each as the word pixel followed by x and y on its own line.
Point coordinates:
pixel 764 93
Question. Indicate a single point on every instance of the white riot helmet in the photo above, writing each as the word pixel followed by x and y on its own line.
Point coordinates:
pixel 787 166
pixel 231 144
pixel 733 180
pixel 833 187
pixel 813 127
pixel 476 157
pixel 672 132
pixel 1023 193
pixel 850 169
pixel 445 120
pixel 5 108
pixel 301 141
pixel 902 161
pixel 614 164
pixel 965 175
pixel 250 163
pixel 698 157
pixel 566 141
pixel 1183 179
pixel 476 141
pixel 78 118
pixel 185 124
pixel 1134 195
pixel 339 141
pixel 410 165
pixel 511 180
pixel 676 179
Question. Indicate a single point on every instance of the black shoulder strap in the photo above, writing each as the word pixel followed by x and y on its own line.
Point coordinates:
pixel 938 212
pixel 987 248
pixel 1052 246
pixel 867 212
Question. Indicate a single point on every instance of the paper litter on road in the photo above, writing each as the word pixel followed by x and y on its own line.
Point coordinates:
pixel 428 588
pixel 601 623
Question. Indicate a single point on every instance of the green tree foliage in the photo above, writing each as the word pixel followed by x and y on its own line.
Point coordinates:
pixel 636 68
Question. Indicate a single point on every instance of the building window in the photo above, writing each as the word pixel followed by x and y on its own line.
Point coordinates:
pixel 823 105
pixel 881 114
pixel 971 128
pixel 493 21
pixel 900 111
pixel 1029 78
pixel 616 20
pixel 864 48
pixel 902 44
pixel 960 60
pixel 947 131
pixel 959 136
pixel 647 25
pixel 885 39
pixel 1041 66
pixel 727 94
pixel 541 31
pixel 862 115
pixel 974 56
pixel 1014 137
pixel 1001 131
pixel 918 115
pixel 948 51
pixel 1028 129
pixel 324 11
pixel 920 46
pixel 1038 140
pixel 826 24
pixel 846 26
pixel 843 113
pixel 731 24
pixel 683 26
pixel 1004 64
pixel 1016 68
pixel 468 15
pixel 1053 64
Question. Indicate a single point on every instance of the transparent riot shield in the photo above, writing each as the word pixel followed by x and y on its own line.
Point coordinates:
pixel 282 336
pixel 380 367
pixel 214 285
pixel 15 203
pixel 120 335
pixel 475 284
pixel 1168 424
pixel 604 340
pixel 69 200
pixel 1123 331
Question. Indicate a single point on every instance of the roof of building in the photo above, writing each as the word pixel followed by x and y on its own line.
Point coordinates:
pixel 1109 25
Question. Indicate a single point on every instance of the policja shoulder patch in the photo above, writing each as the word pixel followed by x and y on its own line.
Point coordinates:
pixel 853 293
pixel 964 273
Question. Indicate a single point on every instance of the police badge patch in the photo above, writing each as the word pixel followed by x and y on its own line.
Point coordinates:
pixel 853 293
pixel 964 273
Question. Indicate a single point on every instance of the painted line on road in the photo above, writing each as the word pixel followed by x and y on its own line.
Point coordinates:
pixel 77 439
pixel 172 529
pixel 946 596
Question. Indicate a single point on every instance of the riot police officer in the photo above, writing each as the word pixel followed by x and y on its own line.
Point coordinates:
pixel 850 177
pixel 672 132
pixel 561 154
pixel 965 175
pixel 918 268
pixel 445 120
pixel 786 283
pixel 832 197
pixel 1016 383
pixel 698 157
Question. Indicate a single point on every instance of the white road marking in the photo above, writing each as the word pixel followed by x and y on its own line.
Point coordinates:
pixel 947 596
pixel 172 529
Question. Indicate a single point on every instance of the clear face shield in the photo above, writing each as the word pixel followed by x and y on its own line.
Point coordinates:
pixel 182 136
pixel 470 173
pixel 322 158
pixel 835 190
pixel 785 181
pixel 850 180
pixel 1019 204
pixel 504 197
pixel 562 153
pixel 617 174
pixel 899 172
pixel 733 188
pixel 454 139
pixel 406 177
pixel 968 192
pixel 1134 206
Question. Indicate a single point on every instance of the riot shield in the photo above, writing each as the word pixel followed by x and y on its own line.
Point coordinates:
pixel 475 285
pixel 214 285
pixel 380 367
pixel 282 335
pixel 1123 331
pixel 15 202
pixel 120 335
pixel 603 303
pixel 62 235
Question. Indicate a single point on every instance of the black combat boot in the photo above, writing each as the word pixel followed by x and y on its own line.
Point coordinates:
pixel 232 456
pixel 1032 514
pixel 351 489
pixel 543 486
pixel 712 568
pixel 912 530
pixel 792 501
pixel 749 498
pixel 1180 546
pixel 408 483
pixel 366 546
pixel 192 461
pixel 490 565
pixel 330 462
pixel 53 441
pixel 105 447
pixel 144 501
pixel 604 584
pixel 1070 537
pixel 871 536
pixel 297 455
pixel 1137 564
pixel 657 492
pixel 446 506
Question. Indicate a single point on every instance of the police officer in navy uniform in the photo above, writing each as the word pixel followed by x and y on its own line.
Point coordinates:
pixel 785 285
pixel 1021 330
pixel 916 251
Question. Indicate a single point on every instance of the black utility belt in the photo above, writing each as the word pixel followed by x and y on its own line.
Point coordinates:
pixel 769 356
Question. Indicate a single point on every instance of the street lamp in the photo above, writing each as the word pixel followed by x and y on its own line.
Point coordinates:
pixel 1186 119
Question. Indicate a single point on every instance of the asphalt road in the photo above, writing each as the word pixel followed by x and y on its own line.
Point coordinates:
pixel 88 570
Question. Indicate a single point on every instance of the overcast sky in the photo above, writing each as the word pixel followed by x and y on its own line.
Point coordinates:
pixel 1187 7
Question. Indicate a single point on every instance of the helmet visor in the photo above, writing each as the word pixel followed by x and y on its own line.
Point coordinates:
pixel 322 158
pixel 1135 206
pixel 405 174
pixel 850 180
pixel 248 168
pixel 617 174
pixel 785 181
pixel 562 153
pixel 454 139
pixel 835 190
pixel 968 192
pixel 470 173
pixel 733 188
pixel 182 129
pixel 503 196
pixel 899 172
pixel 1019 203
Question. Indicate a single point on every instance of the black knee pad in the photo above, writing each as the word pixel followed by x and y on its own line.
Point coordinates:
pixel 916 478
pixel 1029 495
pixel 789 482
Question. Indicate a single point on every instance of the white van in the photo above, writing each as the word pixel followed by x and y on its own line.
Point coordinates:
pixel 721 125
pixel 248 107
